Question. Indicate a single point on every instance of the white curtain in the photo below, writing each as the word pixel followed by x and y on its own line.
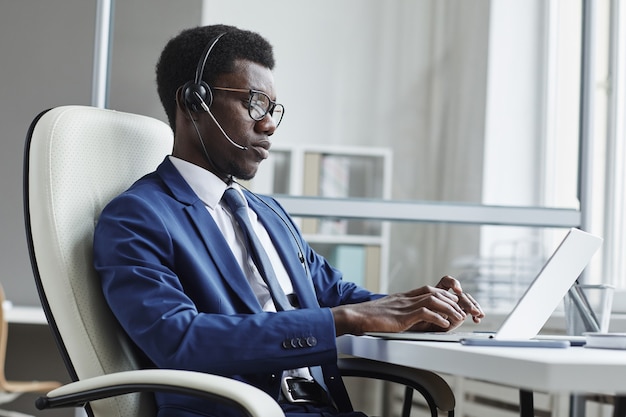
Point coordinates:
pixel 439 136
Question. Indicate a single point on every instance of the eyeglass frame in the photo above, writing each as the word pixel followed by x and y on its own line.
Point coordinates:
pixel 251 91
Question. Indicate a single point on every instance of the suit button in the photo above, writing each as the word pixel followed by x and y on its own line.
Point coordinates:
pixel 286 344
pixel 311 341
pixel 294 343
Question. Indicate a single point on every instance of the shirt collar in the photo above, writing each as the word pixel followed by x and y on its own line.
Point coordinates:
pixel 208 186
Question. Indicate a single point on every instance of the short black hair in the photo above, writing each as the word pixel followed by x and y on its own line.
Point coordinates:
pixel 179 59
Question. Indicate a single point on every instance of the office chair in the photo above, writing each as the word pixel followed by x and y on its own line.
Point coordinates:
pixel 9 389
pixel 76 160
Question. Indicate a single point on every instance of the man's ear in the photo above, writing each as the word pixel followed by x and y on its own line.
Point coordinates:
pixel 181 106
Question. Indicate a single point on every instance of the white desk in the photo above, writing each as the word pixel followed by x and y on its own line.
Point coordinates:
pixel 572 370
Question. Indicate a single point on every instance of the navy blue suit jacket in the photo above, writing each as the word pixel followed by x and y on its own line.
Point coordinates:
pixel 177 290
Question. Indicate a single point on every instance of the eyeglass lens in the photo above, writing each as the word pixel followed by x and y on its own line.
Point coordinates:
pixel 261 104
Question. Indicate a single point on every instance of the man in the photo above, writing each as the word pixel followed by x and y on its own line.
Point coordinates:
pixel 186 285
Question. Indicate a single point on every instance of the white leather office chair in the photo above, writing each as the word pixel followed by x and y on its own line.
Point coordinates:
pixel 76 160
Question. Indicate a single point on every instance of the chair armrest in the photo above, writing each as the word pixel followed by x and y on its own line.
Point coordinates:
pixel 253 401
pixel 435 389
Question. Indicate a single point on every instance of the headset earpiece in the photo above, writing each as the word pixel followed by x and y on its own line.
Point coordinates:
pixel 195 94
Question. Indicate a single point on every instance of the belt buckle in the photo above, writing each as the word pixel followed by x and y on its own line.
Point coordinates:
pixel 287 391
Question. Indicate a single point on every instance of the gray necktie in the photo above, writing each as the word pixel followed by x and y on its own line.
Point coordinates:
pixel 237 206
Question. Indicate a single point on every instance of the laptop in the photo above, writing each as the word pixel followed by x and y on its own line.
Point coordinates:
pixel 540 299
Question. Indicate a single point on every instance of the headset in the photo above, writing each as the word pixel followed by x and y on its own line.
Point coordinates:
pixel 197 94
pixel 197 97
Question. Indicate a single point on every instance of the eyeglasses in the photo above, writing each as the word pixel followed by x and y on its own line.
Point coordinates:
pixel 259 104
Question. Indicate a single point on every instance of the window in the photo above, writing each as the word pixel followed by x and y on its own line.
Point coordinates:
pixel 479 105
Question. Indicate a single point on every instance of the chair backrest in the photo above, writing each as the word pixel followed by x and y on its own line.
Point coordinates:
pixel 76 160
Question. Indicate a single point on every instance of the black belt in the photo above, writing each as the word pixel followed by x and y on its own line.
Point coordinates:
pixel 301 390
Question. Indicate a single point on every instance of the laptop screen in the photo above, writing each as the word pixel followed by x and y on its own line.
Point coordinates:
pixel 550 286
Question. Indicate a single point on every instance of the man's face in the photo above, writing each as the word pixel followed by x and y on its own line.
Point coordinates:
pixel 230 109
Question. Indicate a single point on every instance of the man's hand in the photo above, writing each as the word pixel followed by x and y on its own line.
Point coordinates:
pixel 442 307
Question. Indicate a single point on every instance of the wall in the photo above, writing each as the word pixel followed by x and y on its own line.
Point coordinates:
pixel 47 52
pixel 46 61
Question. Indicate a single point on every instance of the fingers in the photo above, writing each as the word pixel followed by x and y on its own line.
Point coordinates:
pixel 432 320
pixel 472 307
pixel 450 283
pixel 443 314
pixel 467 303
pixel 441 308
pixel 439 288
pixel 453 305
pixel 450 299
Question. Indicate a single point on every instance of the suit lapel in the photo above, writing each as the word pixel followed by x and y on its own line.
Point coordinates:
pixel 212 238
pixel 221 255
